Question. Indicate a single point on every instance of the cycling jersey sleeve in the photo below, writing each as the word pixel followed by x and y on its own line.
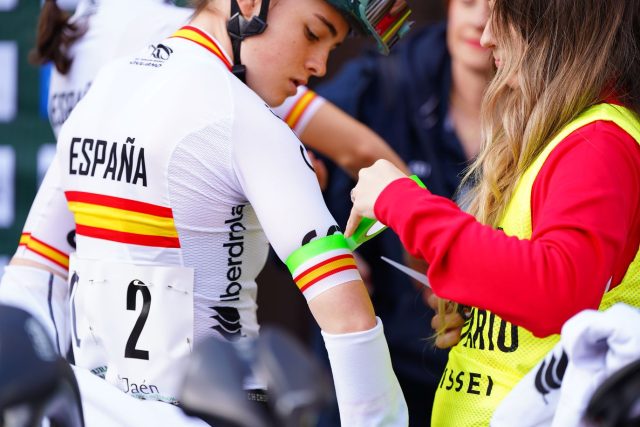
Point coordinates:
pixel 47 239
pixel 298 110
pixel 278 180
pixel 49 232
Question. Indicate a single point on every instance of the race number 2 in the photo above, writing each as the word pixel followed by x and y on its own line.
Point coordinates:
pixel 134 287
pixel 133 323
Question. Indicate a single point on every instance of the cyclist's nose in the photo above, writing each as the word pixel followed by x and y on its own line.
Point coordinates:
pixel 316 62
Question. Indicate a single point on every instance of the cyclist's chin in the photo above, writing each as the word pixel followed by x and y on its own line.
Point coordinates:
pixel 272 89
pixel 275 98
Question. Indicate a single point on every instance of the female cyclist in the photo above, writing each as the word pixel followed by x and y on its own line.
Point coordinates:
pixel 172 168
pixel 78 46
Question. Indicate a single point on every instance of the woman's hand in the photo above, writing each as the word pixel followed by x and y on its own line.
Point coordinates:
pixel 448 325
pixel 371 182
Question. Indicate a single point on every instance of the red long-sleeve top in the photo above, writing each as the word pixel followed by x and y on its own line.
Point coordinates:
pixel 585 207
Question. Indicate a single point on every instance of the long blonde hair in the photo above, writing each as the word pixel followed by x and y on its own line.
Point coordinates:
pixel 565 55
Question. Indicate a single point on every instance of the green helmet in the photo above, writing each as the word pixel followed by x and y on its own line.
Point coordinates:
pixel 374 18
pixel 384 20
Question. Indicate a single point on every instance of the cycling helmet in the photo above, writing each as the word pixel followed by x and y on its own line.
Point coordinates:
pixel 375 18
pixel 384 20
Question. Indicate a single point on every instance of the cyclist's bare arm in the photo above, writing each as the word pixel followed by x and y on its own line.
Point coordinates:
pixel 346 141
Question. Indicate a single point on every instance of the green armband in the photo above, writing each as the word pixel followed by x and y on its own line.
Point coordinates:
pixel 314 249
pixel 319 260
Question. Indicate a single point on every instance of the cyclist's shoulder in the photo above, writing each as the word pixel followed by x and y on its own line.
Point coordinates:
pixel 249 109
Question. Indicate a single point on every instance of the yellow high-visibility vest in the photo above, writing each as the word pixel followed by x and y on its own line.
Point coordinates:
pixel 493 354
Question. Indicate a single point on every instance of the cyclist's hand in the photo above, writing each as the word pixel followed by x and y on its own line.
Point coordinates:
pixel 450 324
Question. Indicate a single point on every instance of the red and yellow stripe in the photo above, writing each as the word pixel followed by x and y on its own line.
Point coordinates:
pixel 123 220
pixel 197 36
pixel 299 108
pixel 325 269
pixel 44 250
pixel 389 26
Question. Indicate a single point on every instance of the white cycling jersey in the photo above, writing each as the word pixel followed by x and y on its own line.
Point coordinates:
pixel 170 161
pixel 111 33
pixel 114 28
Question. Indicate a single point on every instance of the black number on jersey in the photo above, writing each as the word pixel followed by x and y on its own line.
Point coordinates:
pixel 130 350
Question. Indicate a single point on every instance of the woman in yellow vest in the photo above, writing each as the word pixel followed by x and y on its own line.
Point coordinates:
pixel 553 222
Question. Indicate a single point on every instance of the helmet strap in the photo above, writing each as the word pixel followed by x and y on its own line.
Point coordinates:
pixel 239 29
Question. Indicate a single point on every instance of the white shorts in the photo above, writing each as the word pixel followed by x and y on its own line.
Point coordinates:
pixel 105 405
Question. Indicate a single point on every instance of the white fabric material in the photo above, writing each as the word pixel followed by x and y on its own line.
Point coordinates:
pixel 49 199
pixel 597 345
pixel 230 171
pixel 115 28
pixel 109 299
pixel 226 154
pixel 29 288
pixel 106 406
pixel 367 390
pixel 111 33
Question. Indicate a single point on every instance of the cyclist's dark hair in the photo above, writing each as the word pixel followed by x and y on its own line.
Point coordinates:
pixel 54 37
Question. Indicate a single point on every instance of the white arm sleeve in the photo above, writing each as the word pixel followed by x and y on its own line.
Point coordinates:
pixel 368 393
pixel 298 110
pixel 44 295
